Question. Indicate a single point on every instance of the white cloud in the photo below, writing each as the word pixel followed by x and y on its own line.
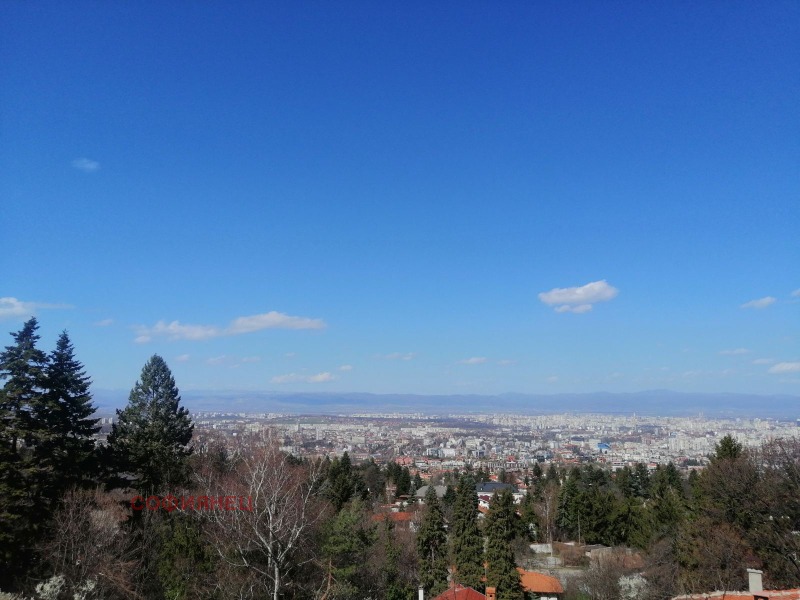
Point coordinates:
pixel 475 360
pixel 763 361
pixel 552 379
pixel 272 320
pixel 182 358
pixel 346 368
pixel 251 359
pixel 506 362
pixel 142 339
pixel 735 352
pixel 87 165
pixel 298 378
pixel 786 367
pixel 760 302
pixel 288 378
pixel 796 293
pixel 11 308
pixel 400 356
pixel 103 323
pixel 579 299
pixel 216 360
pixel 176 330
pixel 321 377
pixel 578 310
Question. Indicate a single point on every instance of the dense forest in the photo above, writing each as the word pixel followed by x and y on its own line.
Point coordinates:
pixel 77 518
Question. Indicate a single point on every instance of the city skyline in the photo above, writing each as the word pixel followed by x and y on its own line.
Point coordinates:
pixel 448 199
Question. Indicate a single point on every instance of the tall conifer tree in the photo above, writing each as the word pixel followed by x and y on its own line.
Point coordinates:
pixel 22 367
pixel 466 541
pixel 501 571
pixel 67 443
pixel 432 547
pixel 150 439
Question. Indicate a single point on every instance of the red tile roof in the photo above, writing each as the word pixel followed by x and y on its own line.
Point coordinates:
pixel 539 583
pixel 459 592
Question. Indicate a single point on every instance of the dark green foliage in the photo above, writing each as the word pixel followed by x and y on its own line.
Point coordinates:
pixel 529 519
pixel 347 540
pixel 65 413
pixel 374 480
pixel 388 580
pixel 151 437
pixel 552 475
pixel 728 448
pixel 22 478
pixel 501 570
pixel 432 547
pixel 344 482
pixel 403 483
pixel 466 541
pixel 185 562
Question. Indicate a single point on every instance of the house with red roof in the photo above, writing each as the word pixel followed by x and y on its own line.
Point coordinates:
pixel 756 592
pixel 540 585
pixel 461 592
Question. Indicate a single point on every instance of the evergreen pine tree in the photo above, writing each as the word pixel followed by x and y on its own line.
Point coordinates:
pixel 728 448
pixel 152 433
pixel 501 571
pixel 22 366
pixel 466 541
pixel 432 547
pixel 67 444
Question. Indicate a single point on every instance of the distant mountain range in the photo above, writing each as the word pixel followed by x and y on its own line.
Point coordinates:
pixel 651 402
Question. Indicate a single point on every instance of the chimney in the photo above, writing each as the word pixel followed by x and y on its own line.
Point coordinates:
pixel 754 579
pixel 421 593
pixel 491 593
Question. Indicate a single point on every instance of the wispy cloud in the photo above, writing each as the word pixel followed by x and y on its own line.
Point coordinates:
pixel 251 359
pixel 400 356
pixel 552 379
pixel 346 368
pixel 763 361
pixel 103 323
pixel 12 308
pixel 321 377
pixel 475 360
pixel 785 367
pixel 760 302
pixel 735 352
pixel 182 358
pixel 579 299
pixel 300 378
pixel 175 330
pixel 217 360
pixel 506 362
pixel 796 293
pixel 87 165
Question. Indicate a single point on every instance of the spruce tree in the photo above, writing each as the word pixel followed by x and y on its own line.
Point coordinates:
pixel 466 541
pixel 151 436
pixel 67 444
pixel 22 366
pixel 501 570
pixel 432 547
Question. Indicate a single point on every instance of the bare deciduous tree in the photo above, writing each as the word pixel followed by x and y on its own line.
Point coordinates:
pixel 262 547
pixel 89 547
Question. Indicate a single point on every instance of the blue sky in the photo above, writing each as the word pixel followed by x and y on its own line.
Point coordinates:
pixel 414 197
